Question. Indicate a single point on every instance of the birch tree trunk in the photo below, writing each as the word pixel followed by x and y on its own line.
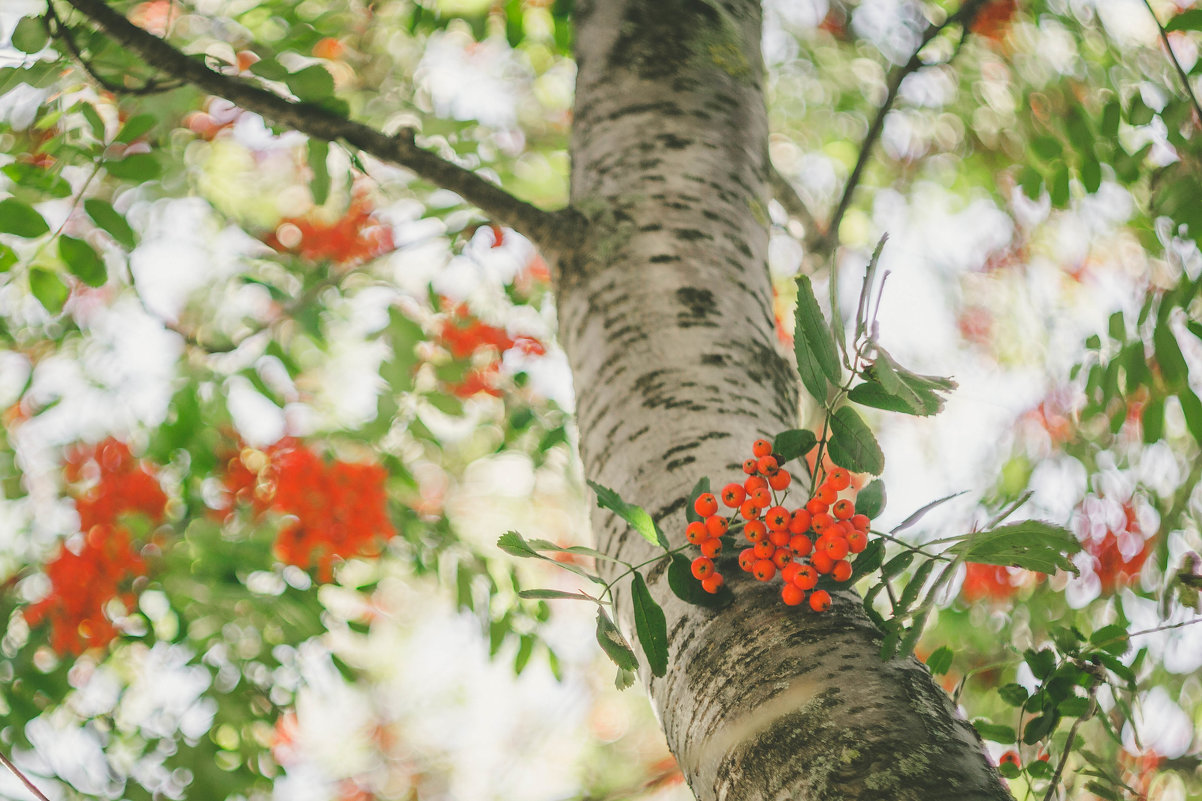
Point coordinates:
pixel 665 312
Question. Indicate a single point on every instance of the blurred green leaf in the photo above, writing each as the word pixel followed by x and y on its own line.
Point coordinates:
pixel 48 288
pixel 82 260
pixel 21 219
pixel 110 220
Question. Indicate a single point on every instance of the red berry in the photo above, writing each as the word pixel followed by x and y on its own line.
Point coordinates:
pixel 780 480
pixel 792 595
pixel 800 523
pixel 747 558
pixel 767 465
pixel 801 544
pixel 716 525
pixel 761 447
pixel 790 571
pixel 777 518
pixel 843 509
pixel 815 506
pixel 764 550
pixel 779 538
pixel 820 600
pixel 821 522
pixel 860 522
pixel 703 567
pixel 826 494
pixel 712 583
pixel 754 483
pixel 749 466
pixel 857 541
pixel 1011 758
pixel 711 547
pixel 839 478
pixel 841 571
pixel 706 504
pixel 782 557
pixel 695 532
pixel 834 547
pixel 806 576
pixel 755 531
pixel 733 495
pixel 821 562
pixel 762 497
pixel 749 511
pixel 763 569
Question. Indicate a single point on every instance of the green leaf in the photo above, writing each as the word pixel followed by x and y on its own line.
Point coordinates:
pixel 135 127
pixel 687 588
pixel 905 399
pixel 940 661
pixel 578 550
pixel 311 84
pixel 1046 147
pixel 1138 112
pixel 110 220
pixel 1038 768
pixel 636 516
pixel 7 258
pixel 1042 662
pixel 1031 544
pixel 1112 638
pixel 48 288
pixel 1105 791
pixel 37 179
pixel 651 626
pixel 1040 727
pixel 1031 182
pixel 1192 408
pixel 554 595
pixel 1110 119
pixel 1168 355
pixel 897 564
pixel 515 544
pixel 1091 175
pixel 995 732
pixel 852 444
pixel 319 184
pixel 522 657
pixel 83 262
pixel 1059 188
pixel 914 586
pixel 624 678
pixel 870 501
pixel 793 444
pixel 1009 770
pixel 868 560
pixel 30 35
pixel 135 167
pixel 93 118
pixel 1073 707
pixel 1013 694
pixel 1190 20
pixel 21 219
pixel 614 644
pixel 817 358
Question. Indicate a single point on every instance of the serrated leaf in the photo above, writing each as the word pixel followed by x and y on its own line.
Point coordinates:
pixel 1030 544
pixel 1104 791
pixel 110 220
pixel 940 661
pixel 1042 662
pixel 554 595
pixel 1038 769
pixel 686 587
pixel 913 633
pixel 319 184
pixel 82 261
pixel 995 732
pixel 515 544
pixel 624 678
pixel 21 219
pixel 651 626
pixel 794 443
pixel 870 501
pixel 635 516
pixel 1040 727
pixel 868 560
pixel 610 638
pixel 873 394
pixel 48 288
pixel 914 586
pixel 1112 638
pixel 852 444
pixel 1013 694
pixel 921 512
pixel 897 564
pixel 1073 707
pixel 817 358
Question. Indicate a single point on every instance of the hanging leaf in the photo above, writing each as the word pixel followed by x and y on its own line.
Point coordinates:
pixel 994 732
pixel 136 167
pixel 110 220
pixel 21 219
pixel 651 626
pixel 514 544
pixel 852 444
pixel 686 587
pixel 610 638
pixel 311 84
pixel 319 184
pixel 817 358
pixel 1031 545
pixel 48 288
pixel 553 595
pixel 1168 355
pixel 870 501
pixel 135 127
pixel 83 262
pixel 1013 694
pixel 1192 408
pixel 29 36
pixel 940 661
pixel 794 444
pixel 636 516
pixel 868 560
pixel 1190 20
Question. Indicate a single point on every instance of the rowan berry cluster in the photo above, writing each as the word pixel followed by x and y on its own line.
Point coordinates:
pixel 802 544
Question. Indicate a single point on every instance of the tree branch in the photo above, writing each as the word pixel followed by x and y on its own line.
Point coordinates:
pixel 964 16
pixel 57 30
pixel 1168 48
pixel 25 781
pixel 551 231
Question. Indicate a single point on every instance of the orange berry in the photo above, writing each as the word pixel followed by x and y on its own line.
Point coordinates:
pixel 761 447
pixel 815 506
pixel 780 480
pixel 733 495
pixel 789 572
pixel 747 558
pixel 857 541
pixel 839 478
pixel 827 494
pixel 841 571
pixel 754 483
pixel 762 497
pixel 763 570
pixel 800 523
pixel 712 583
pixel 806 576
pixel 767 465
pixel 748 510
pixel 695 532
pixel 821 522
pixel 801 544
pixel 711 547
pixel 843 509
pixel 716 525
pixel 777 518
pixel 860 522
pixel 821 562
pixel 755 531
pixel 703 567
pixel 764 550
pixel 792 595
pixel 779 538
pixel 782 557
pixel 749 466
pixel 820 600
pixel 834 547
pixel 706 504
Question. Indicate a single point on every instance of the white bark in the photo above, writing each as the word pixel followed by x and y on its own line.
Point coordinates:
pixel 666 315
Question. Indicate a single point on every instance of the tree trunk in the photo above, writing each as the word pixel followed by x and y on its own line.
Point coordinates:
pixel 666 315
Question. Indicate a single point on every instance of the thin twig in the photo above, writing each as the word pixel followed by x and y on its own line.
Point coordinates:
pixel 551 231
pixel 965 15
pixel 1168 48
pixel 16 772
pixel 1072 733
pixel 56 29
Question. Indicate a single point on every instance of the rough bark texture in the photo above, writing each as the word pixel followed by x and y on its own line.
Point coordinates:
pixel 666 315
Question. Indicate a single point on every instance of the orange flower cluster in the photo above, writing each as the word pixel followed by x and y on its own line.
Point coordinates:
pixel 356 237
pixel 1119 548
pixel 335 510
pixel 463 335
pixel 994 582
pixel 84 579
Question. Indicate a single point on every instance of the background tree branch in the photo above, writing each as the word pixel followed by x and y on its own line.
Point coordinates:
pixel 551 231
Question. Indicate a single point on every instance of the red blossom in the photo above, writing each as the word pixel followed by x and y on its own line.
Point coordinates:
pixel 994 582
pixel 466 337
pixel 1115 540
pixel 356 237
